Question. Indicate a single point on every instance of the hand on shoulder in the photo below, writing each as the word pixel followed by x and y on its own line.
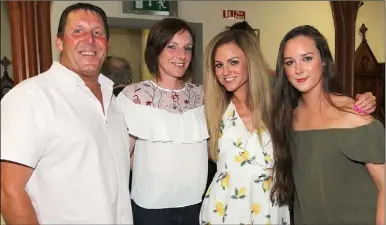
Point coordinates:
pixel 353 118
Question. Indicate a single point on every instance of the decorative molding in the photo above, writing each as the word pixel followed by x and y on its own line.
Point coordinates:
pixel 344 14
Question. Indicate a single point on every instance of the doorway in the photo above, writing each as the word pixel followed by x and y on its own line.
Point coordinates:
pixel 140 28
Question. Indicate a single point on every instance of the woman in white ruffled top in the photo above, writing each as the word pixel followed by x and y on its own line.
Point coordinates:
pixel 168 132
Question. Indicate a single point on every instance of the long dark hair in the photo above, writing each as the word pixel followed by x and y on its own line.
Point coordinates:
pixel 285 101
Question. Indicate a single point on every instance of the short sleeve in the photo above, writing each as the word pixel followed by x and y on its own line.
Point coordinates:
pixel 158 125
pixel 364 144
pixel 24 126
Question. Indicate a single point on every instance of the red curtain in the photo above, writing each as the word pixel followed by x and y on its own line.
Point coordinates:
pixel 31 38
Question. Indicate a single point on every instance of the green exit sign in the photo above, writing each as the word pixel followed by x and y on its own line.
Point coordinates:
pixel 163 8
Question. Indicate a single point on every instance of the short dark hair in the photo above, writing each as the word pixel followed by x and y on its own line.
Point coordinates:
pixel 85 7
pixel 244 25
pixel 118 70
pixel 160 34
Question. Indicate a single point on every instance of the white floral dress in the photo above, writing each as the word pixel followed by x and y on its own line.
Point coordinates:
pixel 239 192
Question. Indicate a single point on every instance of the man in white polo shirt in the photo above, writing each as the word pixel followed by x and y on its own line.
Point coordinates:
pixel 64 144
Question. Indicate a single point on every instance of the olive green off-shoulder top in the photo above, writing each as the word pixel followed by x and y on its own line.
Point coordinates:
pixel 332 183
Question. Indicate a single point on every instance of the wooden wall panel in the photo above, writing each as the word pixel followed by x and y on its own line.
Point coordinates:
pixel 345 14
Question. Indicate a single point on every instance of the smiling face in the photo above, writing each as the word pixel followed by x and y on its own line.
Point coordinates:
pixel 84 44
pixel 303 64
pixel 231 67
pixel 175 58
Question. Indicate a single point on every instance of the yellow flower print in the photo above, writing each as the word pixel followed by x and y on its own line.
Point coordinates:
pixel 265 180
pixel 221 210
pixel 255 209
pixel 230 119
pixel 244 158
pixel 268 221
pixel 225 181
pixel 267 184
pixel 267 158
pixel 221 130
pixel 207 193
pixel 224 178
pixel 239 193
pixel 238 143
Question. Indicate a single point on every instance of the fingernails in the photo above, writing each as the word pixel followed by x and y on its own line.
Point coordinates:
pixel 357 109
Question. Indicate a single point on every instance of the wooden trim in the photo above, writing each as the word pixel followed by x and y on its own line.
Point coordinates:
pixel 16 23
pixel 44 34
pixel 31 38
pixel 344 14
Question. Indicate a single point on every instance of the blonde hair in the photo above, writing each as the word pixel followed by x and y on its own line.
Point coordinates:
pixel 259 85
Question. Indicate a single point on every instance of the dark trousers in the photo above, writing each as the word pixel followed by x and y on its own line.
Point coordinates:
pixel 188 215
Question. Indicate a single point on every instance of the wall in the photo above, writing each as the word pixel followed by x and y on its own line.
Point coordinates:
pixel 273 18
pixel 261 14
pixel 372 14
pixel 6 49
pixel 145 74
pixel 127 44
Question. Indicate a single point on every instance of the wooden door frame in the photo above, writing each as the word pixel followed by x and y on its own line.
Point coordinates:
pixel 344 14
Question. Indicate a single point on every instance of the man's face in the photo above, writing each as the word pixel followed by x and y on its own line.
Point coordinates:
pixel 84 44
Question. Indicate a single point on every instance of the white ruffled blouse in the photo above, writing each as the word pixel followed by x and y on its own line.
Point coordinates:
pixel 170 154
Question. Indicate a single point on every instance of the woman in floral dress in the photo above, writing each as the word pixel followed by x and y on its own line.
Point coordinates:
pixel 238 109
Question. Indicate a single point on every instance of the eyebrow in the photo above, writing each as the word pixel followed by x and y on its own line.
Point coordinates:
pixel 173 42
pixel 308 53
pixel 229 59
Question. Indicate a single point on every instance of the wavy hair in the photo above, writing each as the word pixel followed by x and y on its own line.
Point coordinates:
pixel 259 85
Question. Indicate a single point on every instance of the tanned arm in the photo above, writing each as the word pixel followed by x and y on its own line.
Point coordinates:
pixel 16 206
pixel 377 172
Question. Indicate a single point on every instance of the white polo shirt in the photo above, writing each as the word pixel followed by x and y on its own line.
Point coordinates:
pixel 80 153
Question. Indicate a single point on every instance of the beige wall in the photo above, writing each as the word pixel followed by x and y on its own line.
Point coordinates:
pixel 372 14
pixel 145 74
pixel 273 18
pixel 6 49
pixel 127 44
pixel 261 14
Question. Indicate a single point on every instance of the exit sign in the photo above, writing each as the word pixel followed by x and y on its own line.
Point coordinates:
pixel 233 14
pixel 162 8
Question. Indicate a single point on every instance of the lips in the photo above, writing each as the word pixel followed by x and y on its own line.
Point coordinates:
pixel 301 80
pixel 229 79
pixel 180 65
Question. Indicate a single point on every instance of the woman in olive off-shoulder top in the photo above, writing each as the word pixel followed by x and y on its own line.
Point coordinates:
pixel 333 184
pixel 329 161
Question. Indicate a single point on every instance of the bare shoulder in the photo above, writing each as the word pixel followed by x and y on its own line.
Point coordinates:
pixel 351 118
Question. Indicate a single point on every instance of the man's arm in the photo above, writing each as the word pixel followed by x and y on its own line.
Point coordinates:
pixel 16 206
